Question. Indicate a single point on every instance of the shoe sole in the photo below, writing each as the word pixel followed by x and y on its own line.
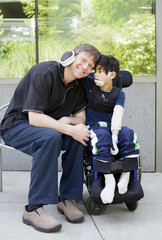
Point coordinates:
pixel 54 229
pixel 76 220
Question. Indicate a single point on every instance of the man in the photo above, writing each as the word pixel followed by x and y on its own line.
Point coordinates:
pixel 47 115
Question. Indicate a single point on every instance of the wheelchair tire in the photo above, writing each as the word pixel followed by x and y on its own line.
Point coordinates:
pixel 132 206
pixel 94 208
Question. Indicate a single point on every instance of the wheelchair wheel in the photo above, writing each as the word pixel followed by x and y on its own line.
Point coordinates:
pixel 94 208
pixel 132 206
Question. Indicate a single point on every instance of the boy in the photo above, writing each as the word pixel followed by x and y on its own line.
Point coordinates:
pixel 105 107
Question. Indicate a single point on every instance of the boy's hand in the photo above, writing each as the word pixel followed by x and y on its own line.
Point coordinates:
pixel 114 149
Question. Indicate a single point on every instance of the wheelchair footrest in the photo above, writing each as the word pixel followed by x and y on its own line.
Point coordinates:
pixel 134 193
pixel 124 165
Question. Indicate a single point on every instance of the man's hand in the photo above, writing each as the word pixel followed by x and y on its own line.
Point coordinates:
pixel 80 133
pixel 114 149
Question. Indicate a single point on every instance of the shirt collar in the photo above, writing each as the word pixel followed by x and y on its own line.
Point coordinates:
pixel 61 72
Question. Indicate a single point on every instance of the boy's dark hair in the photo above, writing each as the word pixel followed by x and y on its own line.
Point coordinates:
pixel 109 63
pixel 88 49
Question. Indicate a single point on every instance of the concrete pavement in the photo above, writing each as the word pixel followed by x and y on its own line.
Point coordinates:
pixel 116 223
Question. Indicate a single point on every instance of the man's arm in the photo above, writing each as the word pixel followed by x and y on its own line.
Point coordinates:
pixel 79 132
pixel 76 119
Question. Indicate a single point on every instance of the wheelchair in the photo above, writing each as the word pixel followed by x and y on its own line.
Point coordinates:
pixel 94 172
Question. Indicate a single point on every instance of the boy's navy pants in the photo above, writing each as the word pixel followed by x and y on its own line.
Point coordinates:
pixel 44 145
pixel 101 142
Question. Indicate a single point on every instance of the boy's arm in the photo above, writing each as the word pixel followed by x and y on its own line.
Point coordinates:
pixel 115 132
pixel 116 121
pixel 116 124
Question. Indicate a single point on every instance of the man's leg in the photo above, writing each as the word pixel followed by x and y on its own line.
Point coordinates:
pixel 44 145
pixel 71 184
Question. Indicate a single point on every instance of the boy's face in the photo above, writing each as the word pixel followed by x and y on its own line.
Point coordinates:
pixel 101 76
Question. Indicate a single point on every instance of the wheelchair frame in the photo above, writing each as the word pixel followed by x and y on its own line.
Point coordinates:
pixel 90 175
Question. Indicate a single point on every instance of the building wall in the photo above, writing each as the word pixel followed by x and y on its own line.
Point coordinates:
pixel 139 115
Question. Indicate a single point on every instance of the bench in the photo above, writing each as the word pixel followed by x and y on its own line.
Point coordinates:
pixel 2 144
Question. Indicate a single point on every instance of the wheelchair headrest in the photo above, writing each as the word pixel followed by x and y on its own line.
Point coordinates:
pixel 124 79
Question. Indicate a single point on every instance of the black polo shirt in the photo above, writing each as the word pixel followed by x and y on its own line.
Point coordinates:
pixel 43 90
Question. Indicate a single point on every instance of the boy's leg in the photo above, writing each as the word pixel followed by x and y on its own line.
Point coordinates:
pixel 101 142
pixel 107 194
pixel 123 182
pixel 128 147
pixel 127 143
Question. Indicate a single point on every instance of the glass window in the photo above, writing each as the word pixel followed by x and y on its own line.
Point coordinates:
pixel 17 40
pixel 123 28
pixel 59 23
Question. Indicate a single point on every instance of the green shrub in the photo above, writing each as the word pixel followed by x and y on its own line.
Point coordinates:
pixel 136 47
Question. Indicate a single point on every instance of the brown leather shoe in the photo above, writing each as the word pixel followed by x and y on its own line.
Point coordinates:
pixel 72 214
pixel 41 220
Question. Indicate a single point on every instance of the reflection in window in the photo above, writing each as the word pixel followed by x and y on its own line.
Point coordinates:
pixel 123 28
pixel 17 40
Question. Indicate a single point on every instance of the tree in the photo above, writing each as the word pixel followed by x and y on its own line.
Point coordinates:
pixel 137 44
pixel 55 16
pixel 29 8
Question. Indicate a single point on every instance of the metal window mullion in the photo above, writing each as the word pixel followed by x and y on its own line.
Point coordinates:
pixel 36 31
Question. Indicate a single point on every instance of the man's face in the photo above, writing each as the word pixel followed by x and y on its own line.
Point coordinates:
pixel 83 65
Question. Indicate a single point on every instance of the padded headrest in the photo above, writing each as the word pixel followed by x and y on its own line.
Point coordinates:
pixel 124 79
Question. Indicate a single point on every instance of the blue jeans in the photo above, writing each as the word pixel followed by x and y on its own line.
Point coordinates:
pixel 45 145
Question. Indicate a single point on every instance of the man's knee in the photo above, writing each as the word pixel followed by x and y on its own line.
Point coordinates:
pixel 52 136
